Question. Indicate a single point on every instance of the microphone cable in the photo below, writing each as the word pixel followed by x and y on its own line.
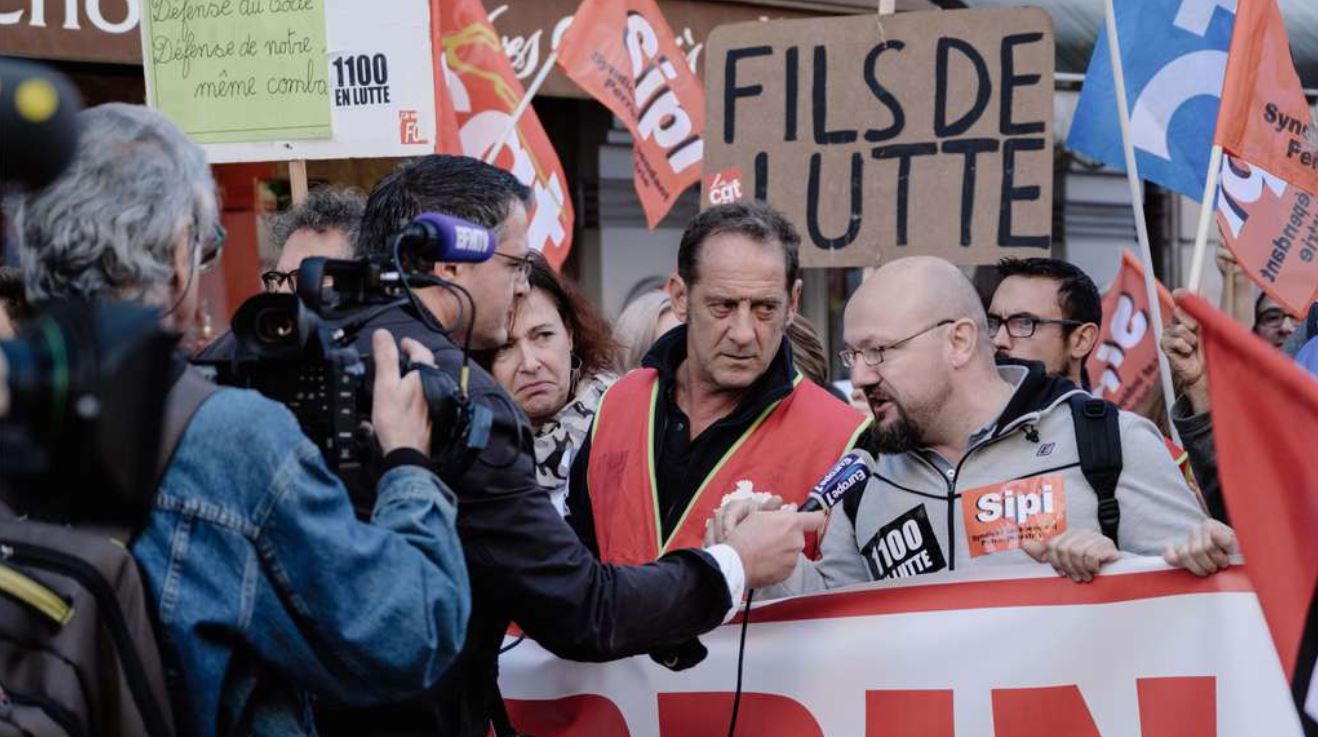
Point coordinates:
pixel 741 661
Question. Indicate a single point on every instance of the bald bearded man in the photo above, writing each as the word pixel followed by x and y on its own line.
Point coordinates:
pixel 979 463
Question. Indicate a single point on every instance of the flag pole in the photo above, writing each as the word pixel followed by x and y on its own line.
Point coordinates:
pixel 1137 203
pixel 520 110
pixel 1205 220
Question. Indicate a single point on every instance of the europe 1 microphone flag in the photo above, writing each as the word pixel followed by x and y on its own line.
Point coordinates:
pixel 848 474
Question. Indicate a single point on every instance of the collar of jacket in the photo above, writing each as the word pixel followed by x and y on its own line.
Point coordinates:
pixel 777 381
pixel 1036 394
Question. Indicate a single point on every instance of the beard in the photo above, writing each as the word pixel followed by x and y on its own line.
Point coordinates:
pixel 901 434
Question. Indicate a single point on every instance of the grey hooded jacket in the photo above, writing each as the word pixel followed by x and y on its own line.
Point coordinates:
pixel 1020 476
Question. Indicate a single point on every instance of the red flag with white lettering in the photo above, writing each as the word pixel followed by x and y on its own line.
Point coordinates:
pixel 1266 207
pixel 1265 419
pixel 623 53
pixel 1124 365
pixel 476 91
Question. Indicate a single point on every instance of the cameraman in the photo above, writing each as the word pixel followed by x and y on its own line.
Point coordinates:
pixel 267 590
pixel 527 565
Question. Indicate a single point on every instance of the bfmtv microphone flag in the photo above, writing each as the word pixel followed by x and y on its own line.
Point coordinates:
pixel 1175 56
pixel 623 53
pixel 1266 210
pixel 476 92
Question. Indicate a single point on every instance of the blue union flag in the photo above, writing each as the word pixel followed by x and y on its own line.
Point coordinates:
pixel 1174 54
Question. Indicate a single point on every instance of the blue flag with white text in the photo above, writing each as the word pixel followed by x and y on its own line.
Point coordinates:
pixel 1174 53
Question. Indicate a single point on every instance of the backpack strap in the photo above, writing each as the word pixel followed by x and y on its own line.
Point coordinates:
pixel 181 403
pixel 1098 439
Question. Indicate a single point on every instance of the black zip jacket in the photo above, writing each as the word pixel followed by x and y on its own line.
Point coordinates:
pixel 527 566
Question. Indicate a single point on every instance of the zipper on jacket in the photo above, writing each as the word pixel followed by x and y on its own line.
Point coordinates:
pixel 61 715
pixel 108 604
pixel 950 481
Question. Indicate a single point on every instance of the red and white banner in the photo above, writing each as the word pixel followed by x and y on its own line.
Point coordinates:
pixel 1143 651
pixel 1265 208
pixel 1124 366
pixel 476 92
pixel 623 53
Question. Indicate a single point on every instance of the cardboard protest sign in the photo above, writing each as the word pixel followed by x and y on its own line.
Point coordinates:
pixel 922 133
pixel 379 88
pixel 238 70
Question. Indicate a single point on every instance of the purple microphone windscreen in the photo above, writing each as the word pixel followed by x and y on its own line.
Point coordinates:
pixel 447 238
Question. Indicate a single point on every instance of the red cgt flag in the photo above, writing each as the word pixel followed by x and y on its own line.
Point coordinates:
pixel 476 91
pixel 623 53
pixel 1266 209
pixel 1124 366
pixel 1265 417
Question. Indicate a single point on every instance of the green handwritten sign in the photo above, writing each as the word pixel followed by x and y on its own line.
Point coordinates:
pixel 239 70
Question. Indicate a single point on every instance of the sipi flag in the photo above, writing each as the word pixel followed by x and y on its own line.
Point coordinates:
pixel 1267 212
pixel 623 53
pixel 1124 366
pixel 1174 53
pixel 476 91
pixel 1265 417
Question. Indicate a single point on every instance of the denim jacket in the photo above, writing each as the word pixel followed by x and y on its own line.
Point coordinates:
pixel 268 591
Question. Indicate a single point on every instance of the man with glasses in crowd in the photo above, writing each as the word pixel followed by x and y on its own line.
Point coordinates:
pixel 325 224
pixel 1046 310
pixel 978 463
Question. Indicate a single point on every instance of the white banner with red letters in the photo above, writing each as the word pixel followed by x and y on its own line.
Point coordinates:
pixel 1143 651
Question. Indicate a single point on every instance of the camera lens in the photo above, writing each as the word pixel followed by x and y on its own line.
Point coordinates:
pixel 275 326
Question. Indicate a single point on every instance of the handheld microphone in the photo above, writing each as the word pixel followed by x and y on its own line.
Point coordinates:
pixel 847 475
pixel 38 123
pixel 434 237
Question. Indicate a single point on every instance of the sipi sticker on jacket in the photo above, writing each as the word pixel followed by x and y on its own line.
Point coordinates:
pixel 1002 516
pixel 904 547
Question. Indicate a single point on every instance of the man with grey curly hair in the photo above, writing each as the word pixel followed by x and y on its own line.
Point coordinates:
pixel 266 589
pixel 325 224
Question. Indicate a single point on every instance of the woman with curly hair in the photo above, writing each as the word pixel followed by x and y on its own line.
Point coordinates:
pixel 559 359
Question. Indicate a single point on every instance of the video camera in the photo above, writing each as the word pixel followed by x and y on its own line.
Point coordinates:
pixel 298 349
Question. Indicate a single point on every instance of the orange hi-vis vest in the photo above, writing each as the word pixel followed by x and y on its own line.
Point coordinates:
pixel 786 450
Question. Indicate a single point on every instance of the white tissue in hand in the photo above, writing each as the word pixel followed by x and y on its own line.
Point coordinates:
pixel 745 490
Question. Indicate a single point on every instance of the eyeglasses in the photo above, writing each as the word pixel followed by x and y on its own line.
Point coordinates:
pixel 522 264
pixel 1022 325
pixel 210 252
pixel 274 281
pixel 874 356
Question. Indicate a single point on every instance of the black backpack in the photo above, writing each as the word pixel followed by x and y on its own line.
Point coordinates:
pixel 78 654
pixel 1098 439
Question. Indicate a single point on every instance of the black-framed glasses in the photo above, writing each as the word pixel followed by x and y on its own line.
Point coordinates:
pixel 874 356
pixel 1023 325
pixel 522 264
pixel 274 281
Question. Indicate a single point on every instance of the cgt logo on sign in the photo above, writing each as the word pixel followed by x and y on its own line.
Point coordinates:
pixel 724 187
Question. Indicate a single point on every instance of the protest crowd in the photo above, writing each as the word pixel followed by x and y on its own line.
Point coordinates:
pixel 422 445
